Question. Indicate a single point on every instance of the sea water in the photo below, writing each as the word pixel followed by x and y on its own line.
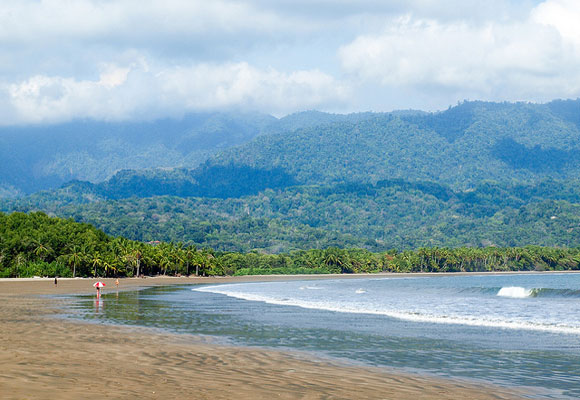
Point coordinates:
pixel 511 330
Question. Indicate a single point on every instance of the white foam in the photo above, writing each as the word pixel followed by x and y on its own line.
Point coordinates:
pixel 310 288
pixel 360 291
pixel 515 292
pixel 351 308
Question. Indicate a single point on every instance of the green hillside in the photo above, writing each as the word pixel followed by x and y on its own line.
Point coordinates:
pixel 479 174
pixel 40 157
pixel 37 245
pixel 462 146
pixel 389 214
pixel 35 157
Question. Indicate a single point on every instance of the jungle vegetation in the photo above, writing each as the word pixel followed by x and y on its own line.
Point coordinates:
pixel 477 175
pixel 378 217
pixel 38 245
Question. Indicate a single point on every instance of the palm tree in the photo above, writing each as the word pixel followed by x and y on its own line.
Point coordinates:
pixel 41 250
pixel 107 265
pixel 137 255
pixel 96 261
pixel 337 260
pixel 19 260
pixel 206 263
pixel 178 259
pixel 190 253
pixel 164 262
pixel 74 257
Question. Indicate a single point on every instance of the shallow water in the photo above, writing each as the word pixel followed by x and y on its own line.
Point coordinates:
pixel 511 330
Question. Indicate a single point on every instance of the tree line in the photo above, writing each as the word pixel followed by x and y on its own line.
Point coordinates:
pixel 387 214
pixel 37 245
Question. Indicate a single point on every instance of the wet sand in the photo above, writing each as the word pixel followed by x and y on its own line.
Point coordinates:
pixel 42 357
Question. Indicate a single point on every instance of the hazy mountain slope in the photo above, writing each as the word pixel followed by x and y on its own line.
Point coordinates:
pixel 461 146
pixel 313 119
pixel 41 157
pixel 476 174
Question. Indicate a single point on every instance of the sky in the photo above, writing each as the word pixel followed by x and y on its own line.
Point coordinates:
pixel 142 59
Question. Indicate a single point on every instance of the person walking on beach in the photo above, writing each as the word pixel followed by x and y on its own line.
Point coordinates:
pixel 117 282
pixel 55 281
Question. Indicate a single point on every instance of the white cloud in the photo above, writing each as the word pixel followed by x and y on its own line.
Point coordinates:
pixel 121 59
pixel 141 92
pixel 70 20
pixel 537 58
pixel 209 86
pixel 563 15
pixel 113 76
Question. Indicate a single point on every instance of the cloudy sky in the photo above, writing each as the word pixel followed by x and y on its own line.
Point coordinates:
pixel 141 59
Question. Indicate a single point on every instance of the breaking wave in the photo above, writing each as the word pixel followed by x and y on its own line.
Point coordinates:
pixel 413 316
pixel 518 292
pixel 515 292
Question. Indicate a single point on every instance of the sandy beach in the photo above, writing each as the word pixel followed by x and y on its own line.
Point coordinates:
pixel 43 357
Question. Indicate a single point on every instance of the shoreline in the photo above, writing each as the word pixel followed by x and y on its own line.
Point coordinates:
pixel 46 357
pixel 160 280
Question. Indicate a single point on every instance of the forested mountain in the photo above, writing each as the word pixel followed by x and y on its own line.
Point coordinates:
pixel 478 174
pixel 45 156
pixel 386 215
pixel 462 146
pixel 41 157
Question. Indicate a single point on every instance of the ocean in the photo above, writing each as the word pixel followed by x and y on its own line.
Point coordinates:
pixel 512 330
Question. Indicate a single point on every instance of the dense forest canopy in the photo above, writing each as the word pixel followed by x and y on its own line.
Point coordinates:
pixel 462 146
pixel 389 214
pixel 37 245
pixel 478 174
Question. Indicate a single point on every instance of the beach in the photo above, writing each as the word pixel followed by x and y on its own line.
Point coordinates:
pixel 44 357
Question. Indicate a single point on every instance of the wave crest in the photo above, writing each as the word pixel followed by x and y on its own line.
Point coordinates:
pixel 515 292
pixel 413 316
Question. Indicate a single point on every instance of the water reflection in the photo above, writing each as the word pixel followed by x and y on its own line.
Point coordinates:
pixel 99 305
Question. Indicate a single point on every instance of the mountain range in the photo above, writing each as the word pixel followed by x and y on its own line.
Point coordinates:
pixel 40 157
pixel 476 174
